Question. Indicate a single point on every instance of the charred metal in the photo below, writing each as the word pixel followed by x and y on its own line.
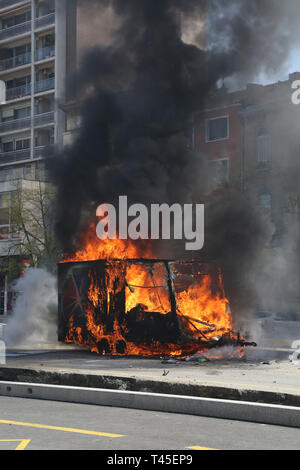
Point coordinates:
pixel 99 307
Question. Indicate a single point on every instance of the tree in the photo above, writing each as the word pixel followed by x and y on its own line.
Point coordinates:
pixel 32 223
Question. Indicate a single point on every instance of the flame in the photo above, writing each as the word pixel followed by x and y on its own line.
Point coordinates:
pixel 198 304
pixel 202 314
pixel 94 249
pixel 146 289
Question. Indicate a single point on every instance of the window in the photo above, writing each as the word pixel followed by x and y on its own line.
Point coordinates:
pixel 7 115
pixel 29 171
pixel 23 49
pixel 4 216
pixel 6 175
pixel 45 7
pixel 219 170
pixel 263 151
pixel 22 144
pixel 8 146
pixel 4 230
pixel 5 204
pixel 14 20
pixel 18 172
pixel 16 82
pixel 22 113
pixel 45 74
pixel 23 18
pixel 8 22
pixel 13 145
pixel 4 199
pixel 265 202
pixel 217 129
pixel 48 40
pixel 7 229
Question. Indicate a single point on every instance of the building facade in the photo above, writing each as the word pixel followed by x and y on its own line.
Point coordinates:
pixel 32 71
pixel 271 124
pixel 218 135
pixel 41 43
pixel 251 141
pixel 250 138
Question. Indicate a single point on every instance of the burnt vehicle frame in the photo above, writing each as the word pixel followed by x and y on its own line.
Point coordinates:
pixel 138 325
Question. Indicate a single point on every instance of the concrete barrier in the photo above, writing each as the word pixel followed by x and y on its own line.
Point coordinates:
pixel 208 407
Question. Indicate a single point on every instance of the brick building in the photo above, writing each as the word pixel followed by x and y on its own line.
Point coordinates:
pixel 270 123
pixel 218 134
pixel 250 138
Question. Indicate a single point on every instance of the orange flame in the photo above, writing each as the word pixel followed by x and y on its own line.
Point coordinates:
pixel 94 249
pixel 203 315
pixel 199 304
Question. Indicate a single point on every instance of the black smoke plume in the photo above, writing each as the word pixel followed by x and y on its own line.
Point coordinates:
pixel 138 97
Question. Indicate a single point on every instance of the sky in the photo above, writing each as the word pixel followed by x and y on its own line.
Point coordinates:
pixel 292 65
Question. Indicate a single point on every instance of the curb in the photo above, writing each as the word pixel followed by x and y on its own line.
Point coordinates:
pixel 136 384
pixel 208 407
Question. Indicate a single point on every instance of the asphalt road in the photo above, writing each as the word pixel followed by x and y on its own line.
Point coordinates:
pixel 44 425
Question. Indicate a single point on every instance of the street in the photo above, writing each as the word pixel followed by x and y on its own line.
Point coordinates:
pixel 43 425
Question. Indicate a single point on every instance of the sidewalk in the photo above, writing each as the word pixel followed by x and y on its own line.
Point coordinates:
pixel 275 381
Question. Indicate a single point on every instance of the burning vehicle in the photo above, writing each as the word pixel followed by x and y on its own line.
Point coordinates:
pixel 116 304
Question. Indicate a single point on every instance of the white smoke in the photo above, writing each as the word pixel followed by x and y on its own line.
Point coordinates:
pixel 34 317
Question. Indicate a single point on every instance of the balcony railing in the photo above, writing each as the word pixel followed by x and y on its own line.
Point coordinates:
pixel 18 92
pixel 44 20
pixel 16 61
pixel 15 124
pixel 18 155
pixel 45 118
pixel 10 3
pixel 43 151
pixel 44 85
pixel 45 53
pixel 15 30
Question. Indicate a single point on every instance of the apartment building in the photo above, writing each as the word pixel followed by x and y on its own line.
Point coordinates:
pixel 30 53
pixel 33 69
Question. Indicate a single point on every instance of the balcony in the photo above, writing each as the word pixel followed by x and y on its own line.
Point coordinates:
pixel 18 92
pixel 44 85
pixel 16 156
pixel 9 3
pixel 43 21
pixel 22 28
pixel 14 62
pixel 45 53
pixel 15 125
pixel 43 151
pixel 42 119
